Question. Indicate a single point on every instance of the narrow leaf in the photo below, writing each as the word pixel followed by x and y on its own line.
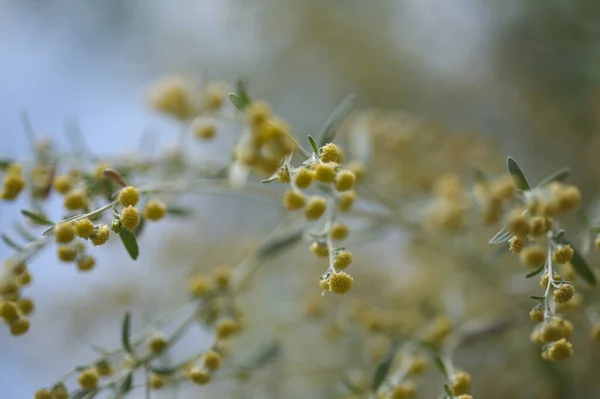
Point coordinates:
pixel 126 333
pixel 240 100
pixel 517 174
pixel 178 211
pixel 500 237
pixel 313 144
pixel 9 241
pixel 582 268
pixel 130 243
pixel 5 163
pixel 37 218
pixel 441 366
pixel 83 394
pixel 448 390
pixel 384 367
pixel 537 298
pixel 332 124
pixel 114 176
pixel 559 175
pixel 536 271
pixel 126 385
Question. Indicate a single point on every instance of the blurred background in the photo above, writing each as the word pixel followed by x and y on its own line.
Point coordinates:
pixel 523 74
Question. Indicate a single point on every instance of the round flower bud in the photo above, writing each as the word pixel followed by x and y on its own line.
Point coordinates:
pixel 157 343
pixel 101 235
pixel 293 200
pixel 12 186
pixel 75 200
pixel 66 253
pixel 339 283
pixel 342 260
pixel 406 390
pixel 544 279
pixel 338 231
pixel 562 254
pixel 84 228
pixel 418 364
pixel 460 383
pixel 568 198
pixel 325 172
pixel 9 311
pixel 42 394
pixel 315 208
pixel 564 293
pixel 226 328
pixel 60 392
pixel 222 276
pixel 258 112
pixel 19 326
pixel 88 379
pixel 86 263
pixel 559 351
pixel 130 218
pixel 516 244
pixel 555 329
pixel 205 131
pixel 155 210
pixel 303 178
pixel 283 175
pixel 62 184
pixel 129 196
pixel 533 256
pixel 538 226
pixel 104 368
pixel 344 180
pixel 156 381
pixel 518 224
pixel 198 376
pixel 26 306
pixel 320 249
pixel 172 96
pixel 64 233
pixel 331 153
pixel 346 200
pixel 199 286
pixel 537 314
pixel 212 360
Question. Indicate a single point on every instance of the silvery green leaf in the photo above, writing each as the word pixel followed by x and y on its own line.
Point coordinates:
pixel 335 120
pixel 240 100
pixel 582 268
pixel 313 144
pixel 500 237
pixel 126 385
pixel 441 366
pixel 37 218
pixel 384 367
pixel 517 175
pixel 280 243
pixel 559 175
pixel 448 390
pixel 126 333
pixel 537 298
pixel 9 241
pixel 536 271
pixel 130 243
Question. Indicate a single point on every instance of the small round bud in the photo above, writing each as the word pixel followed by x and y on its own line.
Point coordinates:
pixel 538 226
pixel 568 198
pixel 533 256
pixel 544 279
pixel 19 326
pixel 172 96
pixel 9 311
pixel 129 196
pixel 339 231
pixel 64 233
pixel 222 276
pixel 84 228
pixel 346 200
pixel 157 343
pixel 88 379
pixel 104 368
pixel 303 178
pixel 199 286
pixel 320 249
pixel 418 364
pixel 339 283
pixel 558 351
pixel 564 293
pixel 75 200
pixel 460 383
pixel 283 175
pixel 315 208
pixel 258 112
pixel 331 153
pixel 555 329
pixel 293 200
pixel 226 328
pixel 516 244
pixel 101 235
pixel 130 218
pixel 42 394
pixel 212 360
pixel 198 376
pixel 62 184
pixel 155 210
pixel 562 254
pixel 26 306
pixel 66 253
pixel 518 224
pixel 342 260
pixel 205 131
pixel 344 180
pixel 156 381
pixel 325 172
pixel 405 390
pixel 537 314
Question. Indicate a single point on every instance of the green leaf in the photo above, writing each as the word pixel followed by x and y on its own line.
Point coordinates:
pixel 384 367
pixel 350 386
pixel 517 174
pixel 559 175
pixel 83 394
pixel 479 176
pixel 240 100
pixel 130 243
pixel 5 163
pixel 37 218
pixel 126 385
pixel 11 243
pixel 126 333
pixel 582 268
pixel 313 144
pixel 536 271
pixel 537 298
pixel 441 366
pixel 500 237
pixel 448 390
pixel 334 121
pixel 178 211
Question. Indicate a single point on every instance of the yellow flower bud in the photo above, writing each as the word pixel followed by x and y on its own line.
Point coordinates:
pixel 342 260
pixel 339 231
pixel 325 172
pixel 344 180
pixel 130 218
pixel 315 208
pixel 64 233
pixel 129 196
pixel 155 210
pixel 293 200
pixel 84 228
pixel 19 326
pixel 339 283
pixel 88 379
pixel 303 178
pixel 62 184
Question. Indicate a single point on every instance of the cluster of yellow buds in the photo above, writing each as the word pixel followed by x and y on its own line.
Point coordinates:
pixel 13 182
pixel 493 195
pixel 14 309
pixel 265 141
pixel 449 206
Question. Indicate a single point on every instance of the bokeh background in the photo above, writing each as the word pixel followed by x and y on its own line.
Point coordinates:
pixel 523 74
